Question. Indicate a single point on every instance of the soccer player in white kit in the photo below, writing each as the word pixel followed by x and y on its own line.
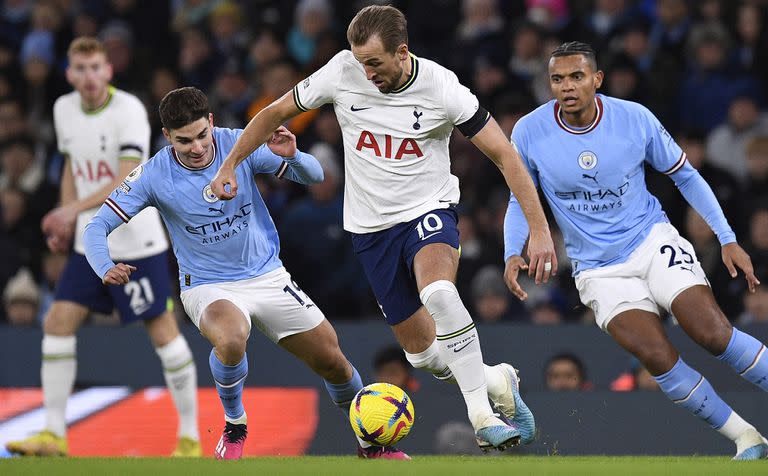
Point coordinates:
pixel 104 133
pixel 588 151
pixel 397 113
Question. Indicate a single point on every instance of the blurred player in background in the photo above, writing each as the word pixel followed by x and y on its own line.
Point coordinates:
pixel 228 252
pixel 397 113
pixel 587 151
pixel 104 134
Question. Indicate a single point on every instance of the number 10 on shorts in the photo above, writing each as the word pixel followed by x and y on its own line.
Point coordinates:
pixel 429 226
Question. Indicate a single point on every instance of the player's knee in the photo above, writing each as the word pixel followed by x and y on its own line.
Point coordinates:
pixel 657 359
pixel 231 348
pixel 57 325
pixel 715 341
pixel 332 366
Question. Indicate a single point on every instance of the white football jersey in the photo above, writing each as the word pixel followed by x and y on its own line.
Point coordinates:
pixel 395 145
pixel 94 141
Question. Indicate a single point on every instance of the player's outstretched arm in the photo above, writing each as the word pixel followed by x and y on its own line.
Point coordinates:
pixel 541 250
pixel 257 132
pixel 289 162
pixel 700 196
pixel 97 247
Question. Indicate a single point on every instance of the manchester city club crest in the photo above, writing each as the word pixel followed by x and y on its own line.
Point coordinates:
pixel 208 195
pixel 587 160
pixel 135 173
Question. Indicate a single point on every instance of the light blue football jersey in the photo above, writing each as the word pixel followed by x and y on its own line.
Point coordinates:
pixel 594 179
pixel 213 240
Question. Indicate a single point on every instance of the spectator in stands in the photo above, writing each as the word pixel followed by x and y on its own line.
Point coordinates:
pixel 313 20
pixel 758 239
pixel 279 78
pixel 228 36
pixel 21 299
pixel 636 378
pixel 491 298
pixel 710 75
pixel 757 167
pixel 565 371
pixel 20 169
pixel 751 40
pixel 197 61
pixel 391 366
pixel 755 307
pixel 727 143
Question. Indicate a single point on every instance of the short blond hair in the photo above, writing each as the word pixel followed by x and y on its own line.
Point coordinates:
pixel 85 45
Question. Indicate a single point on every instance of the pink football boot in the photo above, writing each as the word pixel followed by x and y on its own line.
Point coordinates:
pixel 231 444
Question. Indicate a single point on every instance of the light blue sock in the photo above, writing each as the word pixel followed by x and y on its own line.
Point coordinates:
pixel 229 381
pixel 747 356
pixel 343 393
pixel 690 390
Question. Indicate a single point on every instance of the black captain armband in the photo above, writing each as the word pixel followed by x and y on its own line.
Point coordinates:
pixel 281 170
pixel 475 123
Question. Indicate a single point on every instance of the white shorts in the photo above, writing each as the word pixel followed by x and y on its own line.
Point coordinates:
pixel 663 266
pixel 272 301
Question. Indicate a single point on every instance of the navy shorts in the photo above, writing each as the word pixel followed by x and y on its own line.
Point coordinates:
pixel 387 258
pixel 146 295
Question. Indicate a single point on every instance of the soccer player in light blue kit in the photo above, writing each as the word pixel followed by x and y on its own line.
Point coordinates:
pixel 587 153
pixel 229 269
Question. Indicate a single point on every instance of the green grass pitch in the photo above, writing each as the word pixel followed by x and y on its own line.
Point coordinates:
pixel 421 465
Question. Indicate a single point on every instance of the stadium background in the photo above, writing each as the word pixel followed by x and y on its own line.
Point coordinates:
pixel 700 66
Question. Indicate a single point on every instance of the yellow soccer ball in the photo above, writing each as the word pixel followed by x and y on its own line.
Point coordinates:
pixel 381 414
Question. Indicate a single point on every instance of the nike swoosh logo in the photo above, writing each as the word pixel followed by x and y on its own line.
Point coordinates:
pixel 458 349
pixel 355 109
pixel 431 235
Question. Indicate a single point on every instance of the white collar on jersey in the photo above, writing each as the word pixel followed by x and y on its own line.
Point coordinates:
pixel 561 122
pixel 213 159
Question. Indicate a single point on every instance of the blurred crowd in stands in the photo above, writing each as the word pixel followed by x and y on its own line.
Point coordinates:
pixel 700 66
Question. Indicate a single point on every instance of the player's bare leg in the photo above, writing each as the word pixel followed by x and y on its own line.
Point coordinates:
pixel 455 338
pixel 180 375
pixel 319 349
pixel 228 329
pixel 57 375
pixel 641 333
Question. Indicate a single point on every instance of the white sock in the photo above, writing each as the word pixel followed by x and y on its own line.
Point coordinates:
pixel 241 420
pixel 431 361
pixel 181 378
pixel 740 432
pixel 459 346
pixel 497 383
pixel 58 377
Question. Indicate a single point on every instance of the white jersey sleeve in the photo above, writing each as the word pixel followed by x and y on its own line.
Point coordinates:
pixel 321 86
pixel 58 119
pixel 460 103
pixel 134 131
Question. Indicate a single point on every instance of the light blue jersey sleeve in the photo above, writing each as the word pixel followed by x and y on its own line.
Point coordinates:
pixel 664 155
pixel 302 168
pixel 123 203
pixel 515 224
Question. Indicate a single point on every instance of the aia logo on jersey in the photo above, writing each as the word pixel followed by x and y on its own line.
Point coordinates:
pixel 92 172
pixel 407 146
